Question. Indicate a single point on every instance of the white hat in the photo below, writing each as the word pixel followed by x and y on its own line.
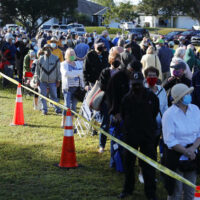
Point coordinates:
pixel 179 91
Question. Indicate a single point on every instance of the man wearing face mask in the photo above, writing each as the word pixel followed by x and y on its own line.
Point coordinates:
pixel 126 56
pixel 138 111
pixel 48 72
pixel 96 60
pixel 56 51
pixel 178 77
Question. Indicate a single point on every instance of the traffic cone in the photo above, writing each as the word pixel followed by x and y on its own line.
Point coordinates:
pixel 197 193
pixel 68 155
pixel 18 118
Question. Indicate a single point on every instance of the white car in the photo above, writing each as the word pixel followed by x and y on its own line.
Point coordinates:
pixel 10 26
pixel 64 28
pixel 45 27
pixel 127 25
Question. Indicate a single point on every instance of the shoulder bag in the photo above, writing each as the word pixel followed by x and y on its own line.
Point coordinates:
pixel 80 92
pixel 95 97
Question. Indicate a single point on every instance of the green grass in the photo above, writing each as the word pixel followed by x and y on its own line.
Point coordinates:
pixel 28 154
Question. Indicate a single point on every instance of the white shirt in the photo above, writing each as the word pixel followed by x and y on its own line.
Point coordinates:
pixel 179 127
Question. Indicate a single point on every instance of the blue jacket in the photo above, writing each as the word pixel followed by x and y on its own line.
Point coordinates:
pixel 12 49
pixel 106 43
pixel 115 41
pixel 165 55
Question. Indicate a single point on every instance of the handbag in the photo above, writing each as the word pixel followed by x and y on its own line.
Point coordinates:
pixel 95 97
pixel 80 92
pixel 34 82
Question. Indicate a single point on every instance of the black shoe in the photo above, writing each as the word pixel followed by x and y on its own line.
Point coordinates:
pixel 124 195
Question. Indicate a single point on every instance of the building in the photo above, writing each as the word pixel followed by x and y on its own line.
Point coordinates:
pixel 178 21
pixel 92 10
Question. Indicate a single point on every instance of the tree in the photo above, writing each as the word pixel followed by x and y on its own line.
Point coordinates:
pixel 168 7
pixel 27 12
pixel 105 3
pixel 121 12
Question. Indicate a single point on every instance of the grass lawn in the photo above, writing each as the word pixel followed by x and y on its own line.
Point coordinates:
pixel 28 154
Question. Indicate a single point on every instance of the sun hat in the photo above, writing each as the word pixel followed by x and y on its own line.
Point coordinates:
pixel 179 91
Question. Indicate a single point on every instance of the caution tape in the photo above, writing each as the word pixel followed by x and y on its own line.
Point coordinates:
pixel 140 155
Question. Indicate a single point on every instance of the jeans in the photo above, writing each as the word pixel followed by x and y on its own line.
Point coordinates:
pixel 104 124
pixel 9 72
pixel 183 191
pixel 53 95
pixel 70 100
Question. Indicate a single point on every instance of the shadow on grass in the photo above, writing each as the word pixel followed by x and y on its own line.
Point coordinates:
pixel 41 126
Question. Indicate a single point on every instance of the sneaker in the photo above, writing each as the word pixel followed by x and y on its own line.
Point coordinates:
pixel 94 133
pixel 140 177
pixel 101 150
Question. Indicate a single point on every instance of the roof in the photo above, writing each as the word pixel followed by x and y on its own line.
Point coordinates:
pixel 88 7
pixel 101 12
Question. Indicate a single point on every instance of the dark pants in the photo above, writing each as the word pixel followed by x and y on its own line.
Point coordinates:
pixel 147 171
pixel 104 124
pixel 9 72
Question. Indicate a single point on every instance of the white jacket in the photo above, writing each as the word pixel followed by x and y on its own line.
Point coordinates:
pixel 66 74
pixel 151 60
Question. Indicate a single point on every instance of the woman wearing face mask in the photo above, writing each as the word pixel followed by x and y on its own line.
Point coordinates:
pixel 72 77
pixel 115 60
pixel 178 77
pixel 181 134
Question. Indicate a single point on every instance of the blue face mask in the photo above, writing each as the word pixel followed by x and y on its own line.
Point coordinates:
pixel 187 99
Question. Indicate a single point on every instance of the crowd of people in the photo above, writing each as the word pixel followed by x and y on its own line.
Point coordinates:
pixel 151 95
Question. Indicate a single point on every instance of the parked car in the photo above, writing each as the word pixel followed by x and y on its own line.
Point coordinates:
pixel 188 34
pixel 10 26
pixel 45 27
pixel 80 31
pixel 139 33
pixel 127 25
pixel 172 35
pixel 63 28
pixel 195 40
pixel 55 27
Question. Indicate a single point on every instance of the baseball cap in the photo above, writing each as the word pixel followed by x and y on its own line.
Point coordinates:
pixel 180 65
pixel 137 77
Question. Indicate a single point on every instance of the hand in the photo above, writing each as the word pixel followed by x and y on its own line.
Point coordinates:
pixel 190 153
pixel 57 83
pixel 87 87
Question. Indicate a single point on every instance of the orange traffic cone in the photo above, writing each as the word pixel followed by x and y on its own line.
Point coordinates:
pixel 197 193
pixel 18 118
pixel 68 155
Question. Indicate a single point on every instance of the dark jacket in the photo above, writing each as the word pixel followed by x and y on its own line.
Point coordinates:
pixel 93 66
pixel 126 58
pixel 139 116
pixel 104 78
pixel 117 87
pixel 21 52
pixel 136 50
pixel 173 81
pixel 165 55
pixel 196 85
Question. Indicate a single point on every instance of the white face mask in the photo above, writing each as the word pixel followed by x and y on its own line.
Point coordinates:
pixel 13 41
pixel 53 45
pixel 33 43
pixel 63 42
pixel 24 40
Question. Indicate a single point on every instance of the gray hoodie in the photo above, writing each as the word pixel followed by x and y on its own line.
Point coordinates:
pixel 48 69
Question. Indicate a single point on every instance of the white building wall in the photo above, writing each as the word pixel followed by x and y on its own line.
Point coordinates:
pixel 114 24
pixel 185 22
